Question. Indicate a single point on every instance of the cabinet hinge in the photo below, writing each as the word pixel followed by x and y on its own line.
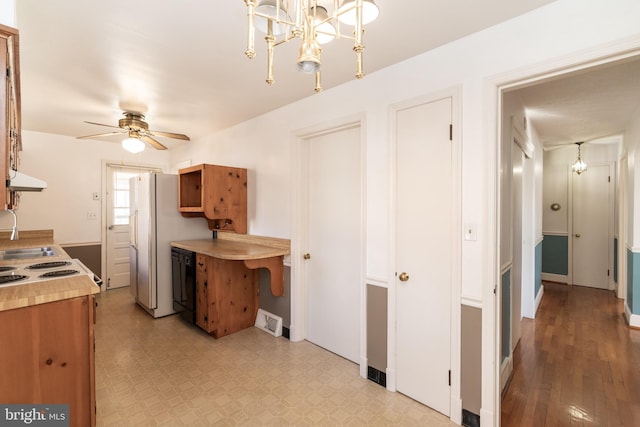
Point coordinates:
pixel 8 70
pixel 449 376
pixel 205 283
pixel 495 289
pixel 609 179
pixel 607 273
pixel 450 132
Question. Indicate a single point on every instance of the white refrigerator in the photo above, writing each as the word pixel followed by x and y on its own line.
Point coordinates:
pixel 154 222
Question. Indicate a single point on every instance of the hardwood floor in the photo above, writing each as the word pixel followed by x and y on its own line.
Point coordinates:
pixel 577 363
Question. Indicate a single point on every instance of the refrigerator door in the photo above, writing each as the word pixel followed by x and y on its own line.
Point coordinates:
pixel 146 294
pixel 133 236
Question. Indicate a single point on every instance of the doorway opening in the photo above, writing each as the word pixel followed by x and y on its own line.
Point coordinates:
pixel 525 97
pixel 115 246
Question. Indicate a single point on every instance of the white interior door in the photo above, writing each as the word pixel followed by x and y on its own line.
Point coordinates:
pixel 117 235
pixel 424 234
pixel 591 219
pixel 334 241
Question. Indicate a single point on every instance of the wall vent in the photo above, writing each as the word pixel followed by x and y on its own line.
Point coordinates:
pixel 269 323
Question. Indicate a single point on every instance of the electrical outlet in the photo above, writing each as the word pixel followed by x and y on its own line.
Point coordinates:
pixel 92 216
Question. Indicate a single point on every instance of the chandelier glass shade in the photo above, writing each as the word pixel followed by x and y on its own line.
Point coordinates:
pixel 312 24
pixel 579 165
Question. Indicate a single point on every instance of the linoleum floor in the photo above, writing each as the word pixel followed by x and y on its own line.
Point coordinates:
pixel 164 372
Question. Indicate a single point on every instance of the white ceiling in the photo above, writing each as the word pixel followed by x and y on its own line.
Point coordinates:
pixel 587 105
pixel 182 64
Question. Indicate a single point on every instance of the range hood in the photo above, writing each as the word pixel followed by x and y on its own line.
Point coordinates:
pixel 21 182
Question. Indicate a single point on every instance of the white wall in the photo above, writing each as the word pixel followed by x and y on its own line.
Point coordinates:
pixel 8 13
pixel 72 170
pixel 264 144
pixel 631 142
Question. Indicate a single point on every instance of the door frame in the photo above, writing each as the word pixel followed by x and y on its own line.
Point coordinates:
pixel 455 94
pixel 299 149
pixel 103 202
pixel 493 87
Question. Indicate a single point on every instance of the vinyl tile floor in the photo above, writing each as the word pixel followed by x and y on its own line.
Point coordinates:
pixel 164 372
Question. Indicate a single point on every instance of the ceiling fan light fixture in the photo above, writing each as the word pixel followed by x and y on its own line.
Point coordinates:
pixel 133 145
pixel 347 12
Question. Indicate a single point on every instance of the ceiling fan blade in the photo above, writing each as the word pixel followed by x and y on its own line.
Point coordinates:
pixel 102 124
pixel 100 134
pixel 153 142
pixel 169 135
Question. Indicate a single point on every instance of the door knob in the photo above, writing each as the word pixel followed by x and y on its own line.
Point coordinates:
pixel 306 256
pixel 403 277
pixel 111 227
pixel 578 235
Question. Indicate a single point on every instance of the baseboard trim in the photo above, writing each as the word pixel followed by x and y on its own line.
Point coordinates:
pixel 632 319
pixel 538 299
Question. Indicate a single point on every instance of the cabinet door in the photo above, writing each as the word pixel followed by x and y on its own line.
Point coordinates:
pixel 48 356
pixel 202 315
pixel 233 296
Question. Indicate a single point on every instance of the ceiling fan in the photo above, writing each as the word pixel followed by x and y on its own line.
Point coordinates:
pixel 136 128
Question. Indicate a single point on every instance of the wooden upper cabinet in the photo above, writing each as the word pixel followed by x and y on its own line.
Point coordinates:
pixel 10 124
pixel 219 193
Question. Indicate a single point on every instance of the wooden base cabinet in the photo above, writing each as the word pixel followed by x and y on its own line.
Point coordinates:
pixel 227 295
pixel 47 356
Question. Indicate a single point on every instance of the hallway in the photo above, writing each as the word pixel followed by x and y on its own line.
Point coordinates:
pixel 577 363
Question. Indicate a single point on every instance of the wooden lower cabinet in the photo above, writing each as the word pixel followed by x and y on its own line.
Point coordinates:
pixel 227 296
pixel 47 356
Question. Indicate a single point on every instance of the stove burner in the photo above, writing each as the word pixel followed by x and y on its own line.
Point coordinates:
pixel 11 278
pixel 6 268
pixel 52 264
pixel 59 273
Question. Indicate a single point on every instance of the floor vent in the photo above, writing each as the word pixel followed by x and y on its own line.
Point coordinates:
pixel 469 419
pixel 377 376
pixel 269 323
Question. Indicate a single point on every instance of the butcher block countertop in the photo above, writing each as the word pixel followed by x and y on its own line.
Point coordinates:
pixel 232 246
pixel 29 294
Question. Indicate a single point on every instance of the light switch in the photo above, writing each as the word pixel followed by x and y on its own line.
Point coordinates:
pixel 470 232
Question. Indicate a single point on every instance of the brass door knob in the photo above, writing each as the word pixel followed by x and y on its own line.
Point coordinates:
pixel 403 277
pixel 578 235
pixel 306 256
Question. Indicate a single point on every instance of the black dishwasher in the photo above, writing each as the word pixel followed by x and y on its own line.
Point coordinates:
pixel 183 281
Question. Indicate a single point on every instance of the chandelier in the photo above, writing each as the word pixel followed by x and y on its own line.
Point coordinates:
pixel 579 166
pixel 285 20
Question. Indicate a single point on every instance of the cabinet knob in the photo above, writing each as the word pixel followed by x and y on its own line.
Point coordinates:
pixel 306 256
pixel 403 277
pixel 578 235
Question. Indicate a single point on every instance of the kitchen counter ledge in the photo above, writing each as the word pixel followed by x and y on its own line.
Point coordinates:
pixel 253 251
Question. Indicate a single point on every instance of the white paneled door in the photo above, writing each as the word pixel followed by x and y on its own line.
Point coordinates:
pixel 334 241
pixel 591 224
pixel 424 232
pixel 117 235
